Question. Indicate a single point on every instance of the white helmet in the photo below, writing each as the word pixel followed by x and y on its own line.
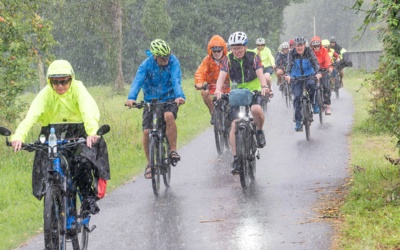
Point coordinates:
pixel 238 38
pixel 285 45
pixel 260 41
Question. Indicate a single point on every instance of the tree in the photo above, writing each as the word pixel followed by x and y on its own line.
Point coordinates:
pixel 385 111
pixel 24 35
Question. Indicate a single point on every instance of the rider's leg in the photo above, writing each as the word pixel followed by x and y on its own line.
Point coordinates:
pixel 297 91
pixel 207 98
pixel 279 74
pixel 341 73
pixel 327 93
pixel 145 141
pixel 258 118
pixel 268 78
pixel 171 130
pixel 232 137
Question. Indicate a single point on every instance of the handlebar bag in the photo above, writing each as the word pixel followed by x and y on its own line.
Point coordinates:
pixel 240 97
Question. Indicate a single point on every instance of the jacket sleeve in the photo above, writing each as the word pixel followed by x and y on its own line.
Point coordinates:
pixel 138 82
pixel 88 108
pixel 271 58
pixel 199 76
pixel 176 78
pixel 34 114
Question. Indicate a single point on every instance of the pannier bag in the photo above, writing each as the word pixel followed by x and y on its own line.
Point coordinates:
pixel 240 97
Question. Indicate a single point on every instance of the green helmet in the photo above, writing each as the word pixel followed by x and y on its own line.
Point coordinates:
pixel 159 47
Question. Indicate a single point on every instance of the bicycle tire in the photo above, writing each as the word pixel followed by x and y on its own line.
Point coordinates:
pixel 306 117
pixel 320 101
pixel 155 170
pixel 242 154
pixel 166 163
pixel 53 219
pixel 287 97
pixel 337 86
pixel 219 143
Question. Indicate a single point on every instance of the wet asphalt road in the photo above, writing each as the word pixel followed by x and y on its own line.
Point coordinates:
pixel 206 209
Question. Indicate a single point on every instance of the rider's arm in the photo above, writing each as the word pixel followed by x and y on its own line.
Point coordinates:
pixel 223 73
pixel 199 76
pixel 140 77
pixel 176 77
pixel 35 111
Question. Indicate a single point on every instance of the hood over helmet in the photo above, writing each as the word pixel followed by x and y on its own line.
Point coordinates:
pixel 60 68
pixel 217 41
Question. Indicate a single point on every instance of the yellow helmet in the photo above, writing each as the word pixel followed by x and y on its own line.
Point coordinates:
pixel 325 42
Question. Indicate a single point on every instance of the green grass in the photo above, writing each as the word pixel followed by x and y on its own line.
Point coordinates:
pixel 371 211
pixel 21 213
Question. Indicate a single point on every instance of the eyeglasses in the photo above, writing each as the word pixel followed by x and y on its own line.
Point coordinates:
pixel 163 58
pixel 58 82
pixel 237 48
pixel 216 49
pixel 316 46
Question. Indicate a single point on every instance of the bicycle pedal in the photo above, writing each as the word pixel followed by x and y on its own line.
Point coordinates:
pixel 91 229
pixel 258 154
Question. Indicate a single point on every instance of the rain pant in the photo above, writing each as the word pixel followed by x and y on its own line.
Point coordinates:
pixel 209 68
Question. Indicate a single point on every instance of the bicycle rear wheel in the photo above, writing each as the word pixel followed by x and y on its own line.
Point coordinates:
pixel 306 117
pixel 155 169
pixel 166 173
pixel 53 216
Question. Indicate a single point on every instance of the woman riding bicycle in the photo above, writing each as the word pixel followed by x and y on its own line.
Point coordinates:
pixel 281 62
pixel 208 72
pixel 66 105
pixel 302 63
pixel 160 77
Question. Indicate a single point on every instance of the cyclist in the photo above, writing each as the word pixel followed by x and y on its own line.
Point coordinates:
pixel 301 63
pixel 324 62
pixel 334 57
pixel 281 62
pixel 66 104
pixel 159 76
pixel 246 71
pixel 291 44
pixel 208 72
pixel 341 52
pixel 267 59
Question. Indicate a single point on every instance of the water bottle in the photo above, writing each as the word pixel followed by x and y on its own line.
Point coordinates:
pixel 52 141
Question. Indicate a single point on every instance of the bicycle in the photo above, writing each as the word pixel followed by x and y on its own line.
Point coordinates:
pixel 159 150
pixel 246 142
pixel 63 222
pixel 336 84
pixel 222 122
pixel 306 106
pixel 287 93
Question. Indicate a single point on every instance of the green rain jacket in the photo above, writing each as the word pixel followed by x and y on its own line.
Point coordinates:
pixel 74 113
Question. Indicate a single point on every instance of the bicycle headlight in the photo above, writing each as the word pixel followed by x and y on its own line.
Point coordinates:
pixel 241 115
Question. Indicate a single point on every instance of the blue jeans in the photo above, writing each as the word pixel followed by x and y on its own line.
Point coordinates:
pixel 297 90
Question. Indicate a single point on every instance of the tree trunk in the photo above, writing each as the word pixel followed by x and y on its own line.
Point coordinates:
pixel 117 35
pixel 42 78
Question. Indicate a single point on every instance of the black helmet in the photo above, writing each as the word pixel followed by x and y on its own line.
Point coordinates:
pixel 333 39
pixel 300 40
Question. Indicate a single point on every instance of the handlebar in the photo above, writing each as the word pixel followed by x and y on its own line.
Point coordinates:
pixel 154 103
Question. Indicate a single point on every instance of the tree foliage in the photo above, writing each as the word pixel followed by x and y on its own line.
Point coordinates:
pixel 24 36
pixel 385 108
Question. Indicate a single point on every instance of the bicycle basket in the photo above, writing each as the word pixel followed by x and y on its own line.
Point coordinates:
pixel 240 97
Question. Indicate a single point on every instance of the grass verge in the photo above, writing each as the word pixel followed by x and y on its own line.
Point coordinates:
pixel 21 214
pixel 370 215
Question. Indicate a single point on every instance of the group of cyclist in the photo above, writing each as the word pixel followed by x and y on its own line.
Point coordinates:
pixel 65 100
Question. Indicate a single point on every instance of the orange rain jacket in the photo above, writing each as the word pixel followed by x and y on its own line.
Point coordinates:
pixel 208 70
pixel 324 60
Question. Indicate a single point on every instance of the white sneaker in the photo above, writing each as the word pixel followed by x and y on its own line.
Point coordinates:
pixel 328 110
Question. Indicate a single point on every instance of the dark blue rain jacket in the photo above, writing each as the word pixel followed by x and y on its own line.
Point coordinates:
pixel 302 65
pixel 162 83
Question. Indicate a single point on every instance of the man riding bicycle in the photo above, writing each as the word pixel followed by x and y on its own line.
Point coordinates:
pixel 159 76
pixel 66 105
pixel 302 63
pixel 208 72
pixel 246 71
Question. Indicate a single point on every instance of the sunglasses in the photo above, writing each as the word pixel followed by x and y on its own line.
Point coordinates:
pixel 216 49
pixel 58 82
pixel 315 47
pixel 261 45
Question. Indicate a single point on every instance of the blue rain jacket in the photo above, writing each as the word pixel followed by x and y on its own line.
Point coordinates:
pixel 162 83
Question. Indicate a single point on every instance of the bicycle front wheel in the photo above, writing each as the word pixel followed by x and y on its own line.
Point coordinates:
pixel 166 172
pixel 242 150
pixel 219 137
pixel 155 169
pixel 306 117
pixel 53 216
